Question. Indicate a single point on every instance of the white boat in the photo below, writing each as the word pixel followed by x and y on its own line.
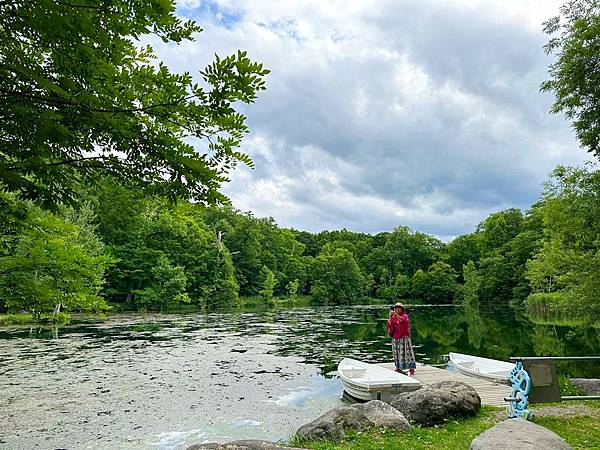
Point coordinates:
pixel 486 368
pixel 363 381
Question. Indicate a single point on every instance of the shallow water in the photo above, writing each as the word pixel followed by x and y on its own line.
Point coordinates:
pixel 160 381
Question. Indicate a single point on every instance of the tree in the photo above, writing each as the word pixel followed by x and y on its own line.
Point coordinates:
pixel 167 288
pixel 564 272
pixel 336 278
pixel 437 285
pixel 292 289
pixel 79 98
pixel 268 284
pixel 471 286
pixel 461 250
pixel 50 263
pixel 575 75
pixel 499 228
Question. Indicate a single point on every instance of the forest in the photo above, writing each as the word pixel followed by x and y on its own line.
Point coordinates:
pixel 131 251
pixel 105 203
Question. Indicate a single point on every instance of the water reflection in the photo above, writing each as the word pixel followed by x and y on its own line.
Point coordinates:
pixel 163 381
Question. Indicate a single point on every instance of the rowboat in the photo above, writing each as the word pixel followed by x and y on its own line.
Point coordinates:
pixel 364 382
pixel 486 368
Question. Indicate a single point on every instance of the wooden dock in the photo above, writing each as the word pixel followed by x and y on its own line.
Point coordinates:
pixel 490 393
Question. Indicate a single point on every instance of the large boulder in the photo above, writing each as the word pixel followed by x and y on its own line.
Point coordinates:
pixel 521 434
pixel 381 414
pixel 249 444
pixel 335 424
pixel 435 403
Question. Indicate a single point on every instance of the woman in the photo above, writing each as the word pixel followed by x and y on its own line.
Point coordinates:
pixel 399 330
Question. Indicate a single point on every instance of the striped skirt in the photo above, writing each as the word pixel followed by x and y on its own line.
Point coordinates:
pixel 404 357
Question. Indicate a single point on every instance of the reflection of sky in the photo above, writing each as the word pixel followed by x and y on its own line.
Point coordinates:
pixel 317 389
pixel 313 394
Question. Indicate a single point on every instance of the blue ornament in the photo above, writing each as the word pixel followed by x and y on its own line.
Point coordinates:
pixel 521 387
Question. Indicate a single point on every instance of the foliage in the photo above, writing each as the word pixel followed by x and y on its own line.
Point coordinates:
pixel 177 233
pixel 292 289
pixel 575 75
pixel 336 278
pixel 268 284
pixel 472 282
pixel 166 289
pixel 52 263
pixel 436 285
pixel 79 98
pixel 461 250
pixel 569 261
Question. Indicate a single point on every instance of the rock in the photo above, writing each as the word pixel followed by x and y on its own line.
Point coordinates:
pixel 589 386
pixel 335 424
pixel 435 403
pixel 249 444
pixel 381 414
pixel 521 434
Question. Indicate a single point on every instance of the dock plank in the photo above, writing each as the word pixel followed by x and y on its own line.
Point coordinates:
pixel 490 393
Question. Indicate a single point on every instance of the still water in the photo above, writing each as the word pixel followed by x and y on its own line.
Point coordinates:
pixel 165 381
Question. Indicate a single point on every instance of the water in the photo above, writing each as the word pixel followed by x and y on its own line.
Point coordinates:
pixel 160 381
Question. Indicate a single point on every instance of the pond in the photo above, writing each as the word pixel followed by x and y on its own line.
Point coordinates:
pixel 164 381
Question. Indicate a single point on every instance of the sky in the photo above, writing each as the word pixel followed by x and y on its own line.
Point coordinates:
pixel 425 113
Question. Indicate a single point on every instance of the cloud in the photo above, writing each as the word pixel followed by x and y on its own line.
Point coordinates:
pixel 421 113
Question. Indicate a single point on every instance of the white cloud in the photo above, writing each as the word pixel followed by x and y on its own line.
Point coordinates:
pixel 418 112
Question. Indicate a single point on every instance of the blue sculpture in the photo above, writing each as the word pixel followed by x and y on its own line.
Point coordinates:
pixel 521 386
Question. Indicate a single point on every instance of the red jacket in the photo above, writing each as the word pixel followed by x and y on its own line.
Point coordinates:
pixel 399 326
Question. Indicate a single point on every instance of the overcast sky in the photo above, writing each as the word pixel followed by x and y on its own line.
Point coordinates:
pixel 424 113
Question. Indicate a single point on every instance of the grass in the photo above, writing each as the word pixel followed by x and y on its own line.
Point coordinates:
pixel 16 319
pixel 582 432
pixel 28 319
pixel 578 423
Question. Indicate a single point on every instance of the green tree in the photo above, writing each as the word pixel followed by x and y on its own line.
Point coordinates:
pixel 461 250
pixel 437 285
pixel 268 284
pixel 167 288
pixel 574 76
pixel 471 285
pixel 499 228
pixel 50 264
pixel 568 264
pixel 336 278
pixel 80 97
pixel 177 232
pixel 292 289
